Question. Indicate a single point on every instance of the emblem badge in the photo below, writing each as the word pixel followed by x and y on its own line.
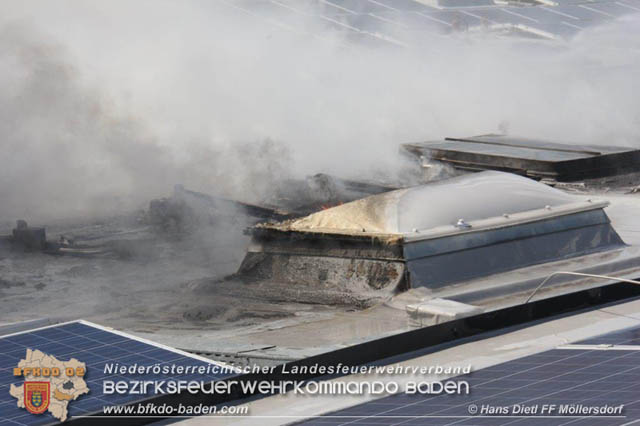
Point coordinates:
pixel 36 396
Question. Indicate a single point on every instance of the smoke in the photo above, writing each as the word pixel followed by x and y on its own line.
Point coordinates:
pixel 105 105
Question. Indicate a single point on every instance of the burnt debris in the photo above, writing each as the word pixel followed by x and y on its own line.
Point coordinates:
pixel 186 210
pixel 28 238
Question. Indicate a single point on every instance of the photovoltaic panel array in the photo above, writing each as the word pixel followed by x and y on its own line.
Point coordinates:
pixel 95 347
pixel 405 22
pixel 588 377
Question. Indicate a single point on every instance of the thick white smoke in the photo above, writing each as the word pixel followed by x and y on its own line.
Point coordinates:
pixel 104 105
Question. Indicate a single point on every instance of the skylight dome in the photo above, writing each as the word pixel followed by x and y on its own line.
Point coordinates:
pixel 471 198
pixel 434 235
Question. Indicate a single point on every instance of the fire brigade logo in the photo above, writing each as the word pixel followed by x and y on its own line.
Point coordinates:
pixel 49 385
pixel 36 396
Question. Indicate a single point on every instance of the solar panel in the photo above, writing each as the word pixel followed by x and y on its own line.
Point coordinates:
pixel 557 376
pixel 407 5
pixel 358 6
pixel 94 346
pixel 381 22
pixel 570 2
pixel 464 3
pixel 494 15
pixel 629 336
pixel 581 12
pixel 515 17
pixel 543 15
pixel 560 29
pixel 610 8
pixel 368 23
pixel 433 21
pixel 562 20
